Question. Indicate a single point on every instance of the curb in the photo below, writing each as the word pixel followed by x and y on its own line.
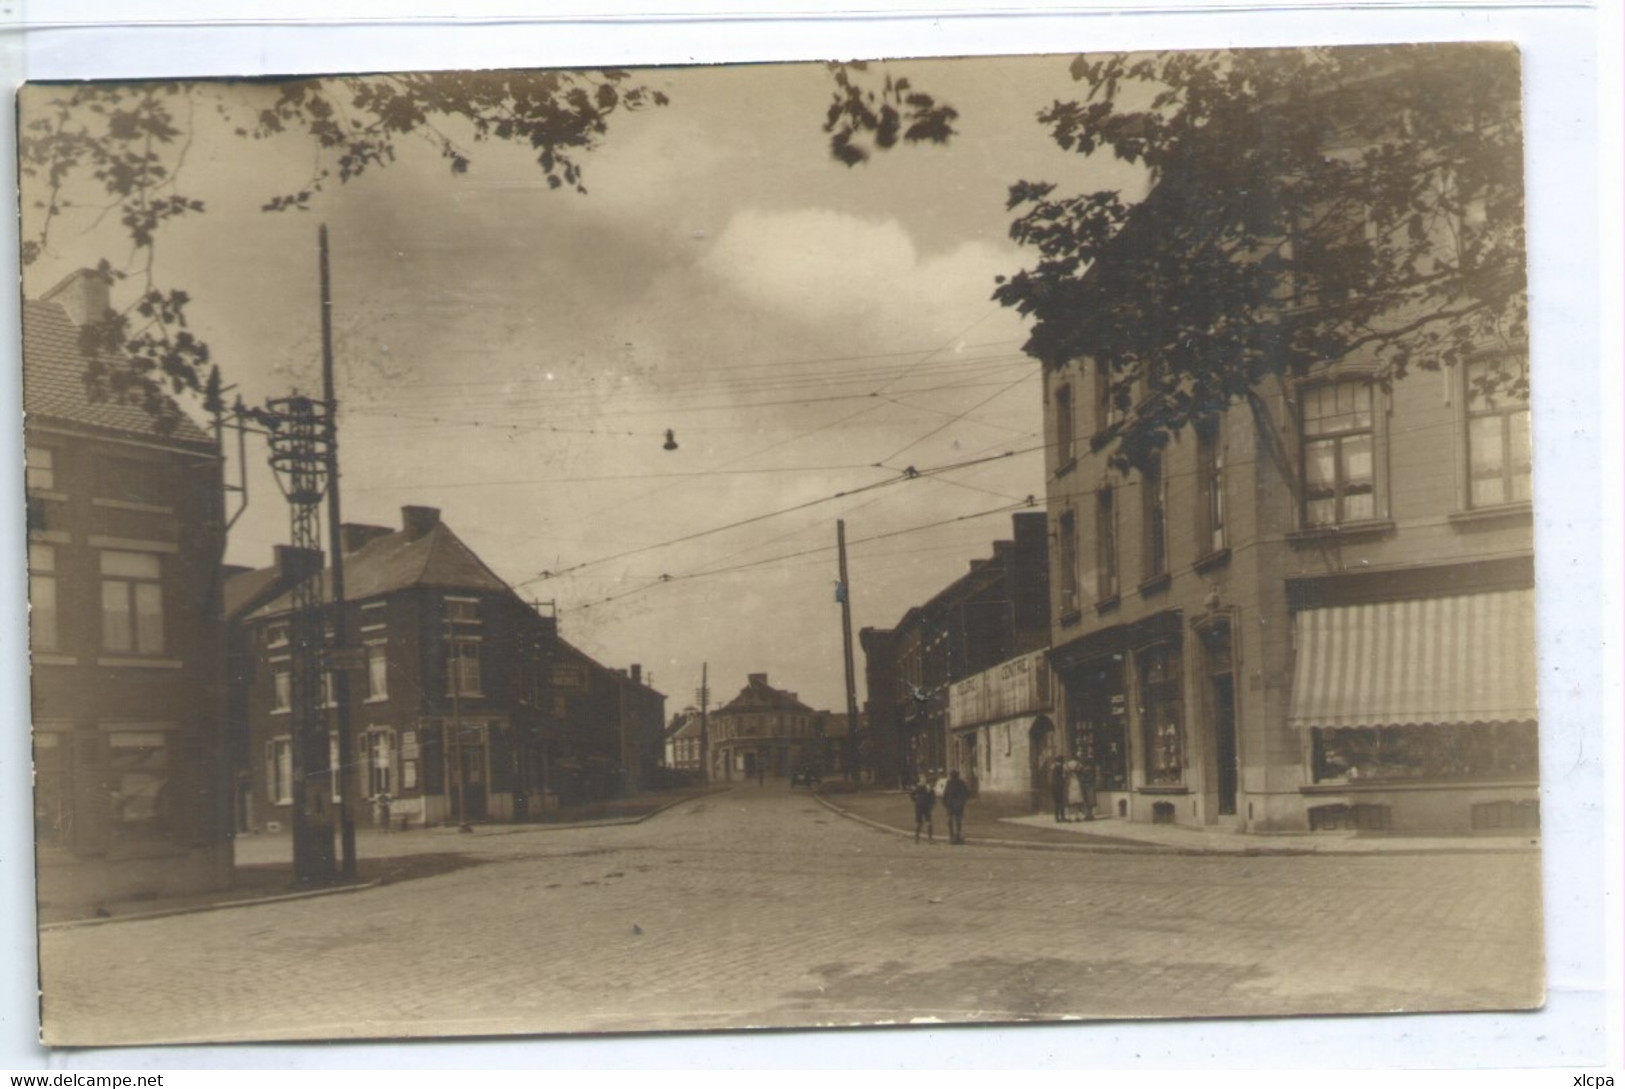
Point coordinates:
pixel 1239 851
pixel 611 822
pixel 199 909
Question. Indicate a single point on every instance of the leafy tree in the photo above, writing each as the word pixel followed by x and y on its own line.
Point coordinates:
pixel 1303 206
pixel 127 143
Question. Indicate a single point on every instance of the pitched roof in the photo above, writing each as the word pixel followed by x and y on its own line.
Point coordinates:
pixel 400 560
pixel 758 695
pixel 54 383
pixel 245 587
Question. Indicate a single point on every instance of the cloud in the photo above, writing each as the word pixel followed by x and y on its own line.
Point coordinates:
pixel 831 270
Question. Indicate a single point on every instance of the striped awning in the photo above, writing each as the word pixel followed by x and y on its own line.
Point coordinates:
pixel 1445 660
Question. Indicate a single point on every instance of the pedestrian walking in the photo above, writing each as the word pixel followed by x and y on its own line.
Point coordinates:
pixel 954 797
pixel 1058 788
pixel 925 801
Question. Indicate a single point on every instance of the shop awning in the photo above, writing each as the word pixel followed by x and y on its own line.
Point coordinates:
pixel 1445 660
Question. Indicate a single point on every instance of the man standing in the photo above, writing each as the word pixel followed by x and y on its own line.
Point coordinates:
pixel 954 797
pixel 925 801
pixel 1058 788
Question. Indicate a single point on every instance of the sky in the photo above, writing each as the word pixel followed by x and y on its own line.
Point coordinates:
pixel 515 355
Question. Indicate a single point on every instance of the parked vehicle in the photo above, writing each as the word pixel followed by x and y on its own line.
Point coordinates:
pixel 807 777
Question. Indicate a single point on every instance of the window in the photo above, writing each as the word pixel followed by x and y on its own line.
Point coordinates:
pixel 279 771
pixel 462 667
pixel 281 690
pixel 1210 488
pixel 138 776
pixel 1154 500
pixel 1066 453
pixel 42 616
pixel 1106 543
pixel 130 480
pixel 41 474
pixel 335 768
pixel 328 693
pixel 1108 412
pixel 132 603
pixel 409 760
pixel 1498 462
pixel 377 671
pixel 1162 716
pixel 53 787
pixel 462 610
pixel 276 633
pixel 1339 454
pixel 1507 750
pixel 1067 563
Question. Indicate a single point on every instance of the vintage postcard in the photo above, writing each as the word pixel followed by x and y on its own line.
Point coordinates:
pixel 1000 539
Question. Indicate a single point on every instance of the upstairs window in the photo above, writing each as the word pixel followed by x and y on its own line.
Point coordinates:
pixel 462 610
pixel 1106 544
pixel 1067 563
pixel 1339 453
pixel 1107 412
pixel 377 671
pixel 463 667
pixel 41 474
pixel 1498 451
pixel 132 603
pixel 130 480
pixel 42 615
pixel 1066 453
pixel 1154 497
pixel 1210 512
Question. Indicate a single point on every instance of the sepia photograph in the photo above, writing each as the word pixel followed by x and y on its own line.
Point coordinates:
pixel 919 541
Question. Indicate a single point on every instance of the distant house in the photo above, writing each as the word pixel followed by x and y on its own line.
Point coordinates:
pixel 763 731
pixel 684 741
pixel 997 610
pixel 124 545
pixel 466 704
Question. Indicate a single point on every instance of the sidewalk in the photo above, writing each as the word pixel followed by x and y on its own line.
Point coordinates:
pixel 264 861
pixel 990 821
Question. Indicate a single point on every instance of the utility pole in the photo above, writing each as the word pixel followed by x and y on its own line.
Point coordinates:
pixel 349 782
pixel 704 695
pixel 846 644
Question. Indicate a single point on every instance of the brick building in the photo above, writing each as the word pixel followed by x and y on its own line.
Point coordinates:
pixel 764 732
pixel 124 544
pixel 465 703
pixel 996 611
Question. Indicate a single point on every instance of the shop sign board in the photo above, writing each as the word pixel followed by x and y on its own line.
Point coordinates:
pixel 1020 686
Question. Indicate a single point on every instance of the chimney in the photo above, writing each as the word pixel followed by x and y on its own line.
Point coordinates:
pixel 295 564
pixel 637 673
pixel 758 680
pixel 419 521
pixel 83 295
pixel 354 535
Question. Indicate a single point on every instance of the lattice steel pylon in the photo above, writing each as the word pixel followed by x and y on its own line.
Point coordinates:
pixel 301 437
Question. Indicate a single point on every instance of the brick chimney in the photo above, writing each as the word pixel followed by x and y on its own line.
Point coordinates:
pixel 757 680
pixel 353 536
pixel 83 294
pixel 417 522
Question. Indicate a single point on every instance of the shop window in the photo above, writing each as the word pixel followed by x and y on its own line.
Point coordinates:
pixel 132 603
pixel 1339 453
pixel 42 615
pixel 1507 816
pixel 279 771
pixel 138 777
pixel 1162 715
pixel 1460 751
pixel 1498 453
pixel 41 472
pixel 1210 521
pixel 1099 725
pixel 53 788
pixel 380 762
pixel 409 760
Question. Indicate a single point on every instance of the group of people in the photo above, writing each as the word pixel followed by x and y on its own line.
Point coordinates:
pixel 954 792
pixel 1073 790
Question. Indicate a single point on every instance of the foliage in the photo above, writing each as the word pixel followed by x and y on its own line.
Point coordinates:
pixel 1304 206
pixel 127 145
pixel 860 115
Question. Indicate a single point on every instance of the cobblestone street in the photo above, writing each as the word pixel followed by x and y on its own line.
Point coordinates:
pixel 759 907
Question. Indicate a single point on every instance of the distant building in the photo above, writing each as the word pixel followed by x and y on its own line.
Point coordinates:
pixel 1002 732
pixel 684 741
pixel 125 539
pixel 997 610
pixel 763 731
pixel 466 703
